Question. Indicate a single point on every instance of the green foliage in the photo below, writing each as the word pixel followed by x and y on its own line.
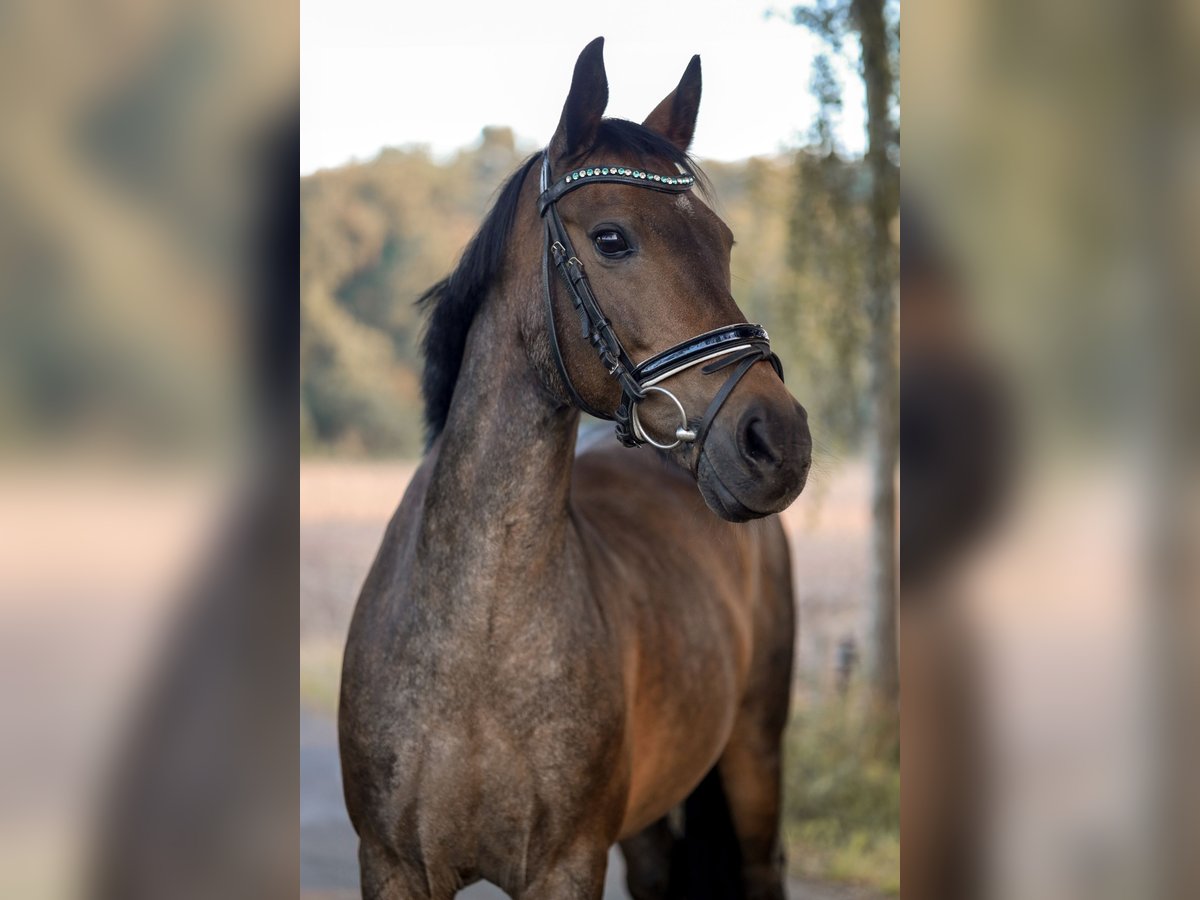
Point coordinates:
pixel 830 20
pixel 375 235
pixel 827 225
pixel 826 87
pixel 320 674
pixel 842 794
pixel 835 22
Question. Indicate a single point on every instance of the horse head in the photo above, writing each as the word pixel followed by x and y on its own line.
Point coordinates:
pixel 664 350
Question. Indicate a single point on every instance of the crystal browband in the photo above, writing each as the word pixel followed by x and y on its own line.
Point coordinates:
pixel 613 174
pixel 593 171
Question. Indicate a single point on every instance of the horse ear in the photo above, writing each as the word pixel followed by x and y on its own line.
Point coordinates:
pixel 675 117
pixel 585 104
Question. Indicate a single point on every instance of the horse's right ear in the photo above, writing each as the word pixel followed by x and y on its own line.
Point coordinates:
pixel 675 117
pixel 585 104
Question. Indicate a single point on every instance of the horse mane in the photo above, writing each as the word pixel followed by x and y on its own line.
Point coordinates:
pixel 454 301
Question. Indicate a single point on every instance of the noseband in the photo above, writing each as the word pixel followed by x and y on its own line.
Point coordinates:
pixel 740 345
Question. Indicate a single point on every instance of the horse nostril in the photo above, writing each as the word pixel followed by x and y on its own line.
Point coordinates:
pixel 757 446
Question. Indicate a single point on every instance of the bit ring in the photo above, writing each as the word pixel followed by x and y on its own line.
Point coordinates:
pixel 682 434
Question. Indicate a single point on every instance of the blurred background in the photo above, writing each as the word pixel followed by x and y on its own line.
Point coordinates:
pixel 444 106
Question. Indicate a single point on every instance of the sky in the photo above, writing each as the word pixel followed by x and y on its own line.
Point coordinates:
pixel 375 73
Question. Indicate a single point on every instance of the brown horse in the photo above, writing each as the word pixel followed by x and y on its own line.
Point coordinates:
pixel 556 651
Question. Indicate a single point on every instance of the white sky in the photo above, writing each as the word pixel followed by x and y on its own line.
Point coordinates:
pixel 375 73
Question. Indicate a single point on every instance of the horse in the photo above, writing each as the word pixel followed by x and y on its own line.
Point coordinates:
pixel 558 651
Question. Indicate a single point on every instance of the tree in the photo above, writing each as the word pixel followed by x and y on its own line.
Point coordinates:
pixel 875 22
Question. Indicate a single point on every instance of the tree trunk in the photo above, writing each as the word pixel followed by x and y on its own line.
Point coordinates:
pixel 881 273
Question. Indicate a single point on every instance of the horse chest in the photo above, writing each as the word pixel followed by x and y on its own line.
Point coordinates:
pixel 490 749
pixel 488 696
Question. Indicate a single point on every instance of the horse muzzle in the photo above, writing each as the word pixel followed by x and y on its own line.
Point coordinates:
pixel 758 466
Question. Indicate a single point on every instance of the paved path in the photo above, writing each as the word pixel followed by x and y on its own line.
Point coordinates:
pixel 328 846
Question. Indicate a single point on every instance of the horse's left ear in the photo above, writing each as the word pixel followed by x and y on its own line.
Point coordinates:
pixel 675 117
pixel 585 104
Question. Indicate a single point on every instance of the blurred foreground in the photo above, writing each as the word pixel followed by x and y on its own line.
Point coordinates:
pixel 148 339
pixel 1050 606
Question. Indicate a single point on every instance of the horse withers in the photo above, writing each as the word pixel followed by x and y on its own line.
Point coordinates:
pixel 555 652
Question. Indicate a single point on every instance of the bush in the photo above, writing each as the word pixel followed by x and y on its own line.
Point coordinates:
pixel 842 794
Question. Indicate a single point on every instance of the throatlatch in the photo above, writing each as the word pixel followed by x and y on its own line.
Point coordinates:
pixel 740 345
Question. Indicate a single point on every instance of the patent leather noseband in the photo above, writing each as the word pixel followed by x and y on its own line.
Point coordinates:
pixel 737 347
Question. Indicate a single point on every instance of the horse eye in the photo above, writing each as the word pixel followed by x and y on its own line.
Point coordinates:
pixel 610 242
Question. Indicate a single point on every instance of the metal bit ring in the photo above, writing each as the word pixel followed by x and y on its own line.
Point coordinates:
pixel 682 434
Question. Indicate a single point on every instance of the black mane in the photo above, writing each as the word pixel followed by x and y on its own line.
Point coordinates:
pixel 454 301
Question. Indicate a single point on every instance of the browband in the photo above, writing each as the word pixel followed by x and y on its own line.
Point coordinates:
pixel 608 174
pixel 739 345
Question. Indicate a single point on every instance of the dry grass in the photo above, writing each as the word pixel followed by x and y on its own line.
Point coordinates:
pixel 842 794
pixel 344 491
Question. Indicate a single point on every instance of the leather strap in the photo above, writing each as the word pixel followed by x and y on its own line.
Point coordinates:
pixel 744 362
pixel 677 185
pixel 594 325
pixel 700 345
pixel 740 345
pixel 553 329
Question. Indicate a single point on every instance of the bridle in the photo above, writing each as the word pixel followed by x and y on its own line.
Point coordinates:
pixel 740 345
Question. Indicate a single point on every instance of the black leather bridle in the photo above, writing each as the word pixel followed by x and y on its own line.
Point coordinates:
pixel 740 345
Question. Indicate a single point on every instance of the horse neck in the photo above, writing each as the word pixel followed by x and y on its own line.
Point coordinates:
pixel 499 491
